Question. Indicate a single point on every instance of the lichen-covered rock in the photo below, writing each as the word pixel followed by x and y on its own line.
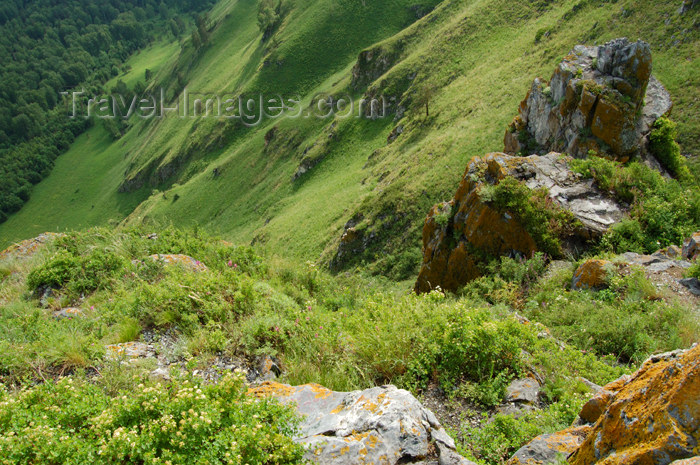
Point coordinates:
pixel 523 390
pixel 70 312
pixel 691 247
pixel 177 259
pixel 128 351
pixel 652 417
pixel 690 461
pixel 28 247
pixel 591 274
pixel 381 425
pixel 602 99
pixel 459 233
pixel 549 448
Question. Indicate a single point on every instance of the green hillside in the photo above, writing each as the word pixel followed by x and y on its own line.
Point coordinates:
pixel 479 56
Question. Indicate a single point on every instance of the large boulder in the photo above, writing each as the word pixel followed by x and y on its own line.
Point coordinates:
pixel 602 99
pixel 649 417
pixel 382 425
pixel 458 235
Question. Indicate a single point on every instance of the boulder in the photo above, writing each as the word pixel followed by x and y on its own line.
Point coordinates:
pixel 70 312
pixel 379 425
pixel 177 259
pixel 525 390
pixel 591 274
pixel 459 234
pixel 649 417
pixel 602 99
pixel 550 448
pixel 652 417
pixel 691 247
pixel 691 461
pixel 692 284
pixel 28 247
pixel 128 351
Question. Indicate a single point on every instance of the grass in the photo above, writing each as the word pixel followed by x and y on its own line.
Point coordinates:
pixel 346 332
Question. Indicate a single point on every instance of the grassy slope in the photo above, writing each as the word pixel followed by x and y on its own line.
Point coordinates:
pixel 480 53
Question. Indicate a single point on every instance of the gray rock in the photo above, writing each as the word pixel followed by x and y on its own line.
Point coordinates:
pixel 693 285
pixel 594 209
pixel 70 312
pixel 549 448
pixel 525 390
pixel 600 99
pixel 128 351
pixel 378 425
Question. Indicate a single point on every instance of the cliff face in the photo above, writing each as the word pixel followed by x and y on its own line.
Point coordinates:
pixel 600 99
pixel 460 234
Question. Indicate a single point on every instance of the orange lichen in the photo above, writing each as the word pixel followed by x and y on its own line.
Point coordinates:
pixel 656 413
pixel 271 389
pixel 591 274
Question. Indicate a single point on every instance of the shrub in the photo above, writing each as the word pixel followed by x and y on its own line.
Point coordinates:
pixel 663 145
pixel 78 274
pixel 496 439
pixel 663 211
pixel 76 423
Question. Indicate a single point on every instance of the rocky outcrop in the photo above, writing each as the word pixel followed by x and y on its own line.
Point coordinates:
pixel 459 234
pixel 373 63
pixel 649 417
pixel 382 425
pixel 28 247
pixel 601 99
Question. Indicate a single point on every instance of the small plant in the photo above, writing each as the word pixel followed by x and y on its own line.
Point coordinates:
pixel 444 215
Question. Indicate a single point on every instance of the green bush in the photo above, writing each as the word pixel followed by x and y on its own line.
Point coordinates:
pixel 497 438
pixel 76 423
pixel 78 274
pixel 664 147
pixel 627 321
pixel 663 211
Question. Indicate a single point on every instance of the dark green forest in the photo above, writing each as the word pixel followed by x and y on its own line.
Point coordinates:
pixel 51 46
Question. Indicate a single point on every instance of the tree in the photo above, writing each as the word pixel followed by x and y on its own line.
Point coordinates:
pixel 268 16
pixel 424 96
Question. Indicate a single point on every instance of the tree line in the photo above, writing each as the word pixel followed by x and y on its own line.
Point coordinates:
pixel 49 47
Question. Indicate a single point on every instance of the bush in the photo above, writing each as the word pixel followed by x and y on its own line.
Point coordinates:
pixel 663 145
pixel 76 423
pixel 663 211
pixel 78 274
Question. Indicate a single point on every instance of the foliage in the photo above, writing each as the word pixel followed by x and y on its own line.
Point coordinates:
pixel 663 211
pixel 543 219
pixel 663 145
pixel 75 423
pixel 497 438
pixel 269 16
pixel 49 49
pixel 628 320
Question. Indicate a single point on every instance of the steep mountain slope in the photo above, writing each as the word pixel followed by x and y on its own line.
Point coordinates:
pixel 471 60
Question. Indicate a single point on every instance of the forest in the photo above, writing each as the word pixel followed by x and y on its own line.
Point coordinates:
pixel 48 47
